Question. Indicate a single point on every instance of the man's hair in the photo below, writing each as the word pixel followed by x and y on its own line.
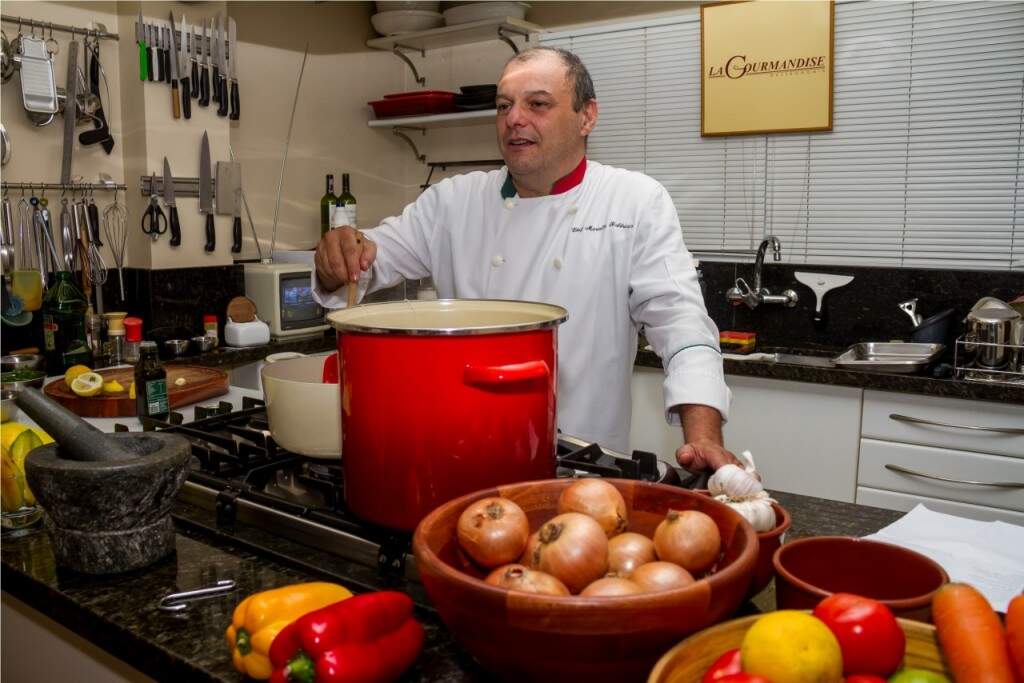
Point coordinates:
pixel 575 72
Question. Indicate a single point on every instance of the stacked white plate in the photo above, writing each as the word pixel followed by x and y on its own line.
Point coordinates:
pixel 405 21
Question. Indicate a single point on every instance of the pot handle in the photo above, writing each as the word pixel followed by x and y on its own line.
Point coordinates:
pixel 503 375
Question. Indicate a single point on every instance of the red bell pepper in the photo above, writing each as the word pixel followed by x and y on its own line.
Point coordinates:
pixel 369 638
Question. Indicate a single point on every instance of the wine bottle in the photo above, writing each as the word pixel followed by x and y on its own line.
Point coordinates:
pixel 327 206
pixel 346 203
pixel 64 340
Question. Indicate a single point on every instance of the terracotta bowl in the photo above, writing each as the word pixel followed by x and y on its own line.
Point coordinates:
pixel 522 636
pixel 767 543
pixel 810 569
pixel 687 661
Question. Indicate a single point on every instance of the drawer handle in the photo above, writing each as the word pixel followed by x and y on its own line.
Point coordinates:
pixel 996 484
pixel 917 420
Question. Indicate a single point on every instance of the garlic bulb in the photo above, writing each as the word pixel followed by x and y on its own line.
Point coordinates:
pixel 756 509
pixel 734 482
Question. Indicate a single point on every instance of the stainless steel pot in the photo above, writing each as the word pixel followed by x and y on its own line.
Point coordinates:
pixel 990 331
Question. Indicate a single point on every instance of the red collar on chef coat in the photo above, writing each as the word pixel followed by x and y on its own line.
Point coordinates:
pixel 562 185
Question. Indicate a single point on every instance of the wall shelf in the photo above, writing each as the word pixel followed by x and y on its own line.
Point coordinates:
pixel 459 118
pixel 460 34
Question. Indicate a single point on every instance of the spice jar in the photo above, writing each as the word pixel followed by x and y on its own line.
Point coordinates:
pixel 210 328
pixel 115 336
pixel 133 338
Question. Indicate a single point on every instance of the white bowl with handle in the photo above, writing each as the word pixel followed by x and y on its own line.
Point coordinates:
pixel 303 412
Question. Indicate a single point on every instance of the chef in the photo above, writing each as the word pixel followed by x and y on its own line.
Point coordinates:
pixel 552 226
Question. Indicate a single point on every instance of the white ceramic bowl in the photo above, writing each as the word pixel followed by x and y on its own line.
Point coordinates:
pixel 304 413
pixel 478 11
pixel 405 21
pixel 399 5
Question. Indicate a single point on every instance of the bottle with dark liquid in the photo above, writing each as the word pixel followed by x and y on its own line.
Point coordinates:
pixel 150 383
pixel 64 338
pixel 327 206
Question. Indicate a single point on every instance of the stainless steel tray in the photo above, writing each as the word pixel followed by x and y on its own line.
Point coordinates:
pixel 899 357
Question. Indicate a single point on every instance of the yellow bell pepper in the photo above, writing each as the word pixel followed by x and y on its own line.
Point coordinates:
pixel 261 616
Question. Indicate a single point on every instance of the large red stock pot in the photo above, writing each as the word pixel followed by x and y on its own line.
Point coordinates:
pixel 442 398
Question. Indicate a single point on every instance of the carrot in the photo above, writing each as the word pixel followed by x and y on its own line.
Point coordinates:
pixel 971 635
pixel 1015 634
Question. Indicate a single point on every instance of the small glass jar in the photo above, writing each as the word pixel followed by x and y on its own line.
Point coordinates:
pixel 133 339
pixel 210 328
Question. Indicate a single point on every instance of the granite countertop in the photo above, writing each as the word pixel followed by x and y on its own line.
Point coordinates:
pixel 909 384
pixel 119 613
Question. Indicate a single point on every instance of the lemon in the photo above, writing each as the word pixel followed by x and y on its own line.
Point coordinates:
pixel 112 387
pixel 43 436
pixel 131 391
pixel 87 384
pixel 792 647
pixel 73 372
pixel 26 442
pixel 9 431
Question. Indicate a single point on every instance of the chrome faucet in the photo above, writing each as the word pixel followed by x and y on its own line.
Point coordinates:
pixel 742 293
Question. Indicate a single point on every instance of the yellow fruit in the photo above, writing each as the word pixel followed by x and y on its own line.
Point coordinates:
pixel 113 387
pixel 87 384
pixel 26 442
pixel 9 431
pixel 11 497
pixel 792 647
pixel 73 372
pixel 131 391
pixel 43 436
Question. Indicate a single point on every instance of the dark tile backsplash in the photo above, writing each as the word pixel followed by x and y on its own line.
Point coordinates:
pixel 864 310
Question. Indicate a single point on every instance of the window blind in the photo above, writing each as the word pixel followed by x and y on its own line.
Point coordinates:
pixel 922 168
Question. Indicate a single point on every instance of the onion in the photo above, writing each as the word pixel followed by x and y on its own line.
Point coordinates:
pixel 598 499
pixel 572 548
pixel 493 531
pixel 516 577
pixel 611 586
pixel 628 551
pixel 660 576
pixel 689 538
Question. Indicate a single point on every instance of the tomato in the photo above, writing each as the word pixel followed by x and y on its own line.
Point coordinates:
pixel 743 678
pixel 726 665
pixel 869 636
pixel 863 678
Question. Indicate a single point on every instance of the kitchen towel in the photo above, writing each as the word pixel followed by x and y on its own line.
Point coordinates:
pixel 987 555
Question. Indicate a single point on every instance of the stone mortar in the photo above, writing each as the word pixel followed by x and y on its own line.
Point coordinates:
pixel 111 516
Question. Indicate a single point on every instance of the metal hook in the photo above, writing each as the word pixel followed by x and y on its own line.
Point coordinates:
pixel 176 602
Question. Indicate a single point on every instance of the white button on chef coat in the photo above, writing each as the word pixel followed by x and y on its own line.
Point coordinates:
pixel 510 203
pixel 573 209
pixel 557 263
pixel 497 260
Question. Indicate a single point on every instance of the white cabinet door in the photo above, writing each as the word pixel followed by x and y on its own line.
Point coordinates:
pixel 943 473
pixel 892 500
pixel 804 437
pixel 943 422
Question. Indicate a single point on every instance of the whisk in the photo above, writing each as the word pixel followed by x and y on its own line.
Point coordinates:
pixel 115 220
pixel 94 266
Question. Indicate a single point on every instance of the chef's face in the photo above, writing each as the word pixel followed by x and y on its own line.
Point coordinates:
pixel 540 136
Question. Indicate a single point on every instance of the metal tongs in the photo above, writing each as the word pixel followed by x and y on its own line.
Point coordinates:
pixel 177 602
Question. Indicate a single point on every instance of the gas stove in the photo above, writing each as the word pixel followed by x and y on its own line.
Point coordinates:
pixel 240 474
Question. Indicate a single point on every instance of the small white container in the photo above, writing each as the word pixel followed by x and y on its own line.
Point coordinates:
pixel 254 333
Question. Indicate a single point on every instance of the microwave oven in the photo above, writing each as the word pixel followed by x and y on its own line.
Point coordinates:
pixel 283 294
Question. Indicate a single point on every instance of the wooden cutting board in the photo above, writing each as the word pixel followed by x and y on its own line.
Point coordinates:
pixel 200 383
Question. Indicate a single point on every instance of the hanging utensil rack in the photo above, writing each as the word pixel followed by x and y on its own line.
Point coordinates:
pixel 65 28
pixel 73 186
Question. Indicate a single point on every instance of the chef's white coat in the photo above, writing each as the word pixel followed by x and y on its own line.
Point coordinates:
pixel 609 250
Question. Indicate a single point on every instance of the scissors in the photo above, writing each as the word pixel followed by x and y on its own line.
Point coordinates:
pixel 154 222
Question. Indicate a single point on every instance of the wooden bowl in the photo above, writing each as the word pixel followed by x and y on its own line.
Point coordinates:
pixel 767 543
pixel 809 569
pixel 687 661
pixel 523 636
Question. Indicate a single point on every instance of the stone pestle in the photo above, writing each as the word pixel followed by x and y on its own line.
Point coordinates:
pixel 78 439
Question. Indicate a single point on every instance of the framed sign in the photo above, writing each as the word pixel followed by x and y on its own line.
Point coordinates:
pixel 766 66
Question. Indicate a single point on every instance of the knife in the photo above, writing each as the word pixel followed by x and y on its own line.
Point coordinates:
pixel 222 59
pixel 206 192
pixel 236 221
pixel 140 39
pixel 181 57
pixel 162 49
pixel 147 32
pixel 233 77
pixel 215 58
pixel 173 59
pixel 172 209
pixel 194 58
pixel 204 78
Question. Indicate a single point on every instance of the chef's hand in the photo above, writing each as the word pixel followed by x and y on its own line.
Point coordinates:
pixel 705 455
pixel 702 430
pixel 341 255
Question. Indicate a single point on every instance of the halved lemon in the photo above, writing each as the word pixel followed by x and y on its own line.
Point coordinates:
pixel 112 387
pixel 87 384
pixel 74 372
